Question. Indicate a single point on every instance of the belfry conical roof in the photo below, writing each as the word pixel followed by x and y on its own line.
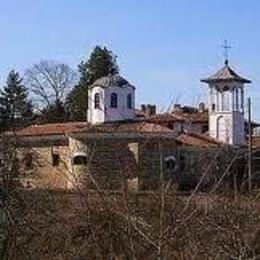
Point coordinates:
pixel 225 74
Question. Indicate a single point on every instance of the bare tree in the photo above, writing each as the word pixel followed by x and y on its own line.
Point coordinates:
pixel 50 82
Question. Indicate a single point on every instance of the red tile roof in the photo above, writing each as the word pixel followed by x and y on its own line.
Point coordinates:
pixel 180 117
pixel 194 139
pixel 128 127
pixel 83 127
pixel 52 129
pixel 185 138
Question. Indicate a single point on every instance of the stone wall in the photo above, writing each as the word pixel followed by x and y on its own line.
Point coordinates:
pixel 117 164
pixel 120 163
pixel 152 162
pixel 110 163
pixel 38 169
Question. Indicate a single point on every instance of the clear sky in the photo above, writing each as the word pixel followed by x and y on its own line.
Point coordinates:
pixel 164 47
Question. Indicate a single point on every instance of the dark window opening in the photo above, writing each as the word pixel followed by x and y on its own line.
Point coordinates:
pixel 170 163
pixel 182 163
pixel 205 129
pixel 225 88
pixel 1 162
pixel 129 101
pixel 55 159
pixel 80 160
pixel 213 107
pixel 97 100
pixel 28 161
pixel 113 101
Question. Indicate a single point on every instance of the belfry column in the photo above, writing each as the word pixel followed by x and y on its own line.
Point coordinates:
pixel 231 101
pixel 242 100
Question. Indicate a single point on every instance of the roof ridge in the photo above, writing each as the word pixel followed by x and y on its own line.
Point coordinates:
pixel 226 73
pixel 202 137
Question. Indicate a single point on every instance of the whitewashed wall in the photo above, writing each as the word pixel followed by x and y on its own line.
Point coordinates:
pixel 106 113
pixel 121 112
pixel 227 125
pixel 96 115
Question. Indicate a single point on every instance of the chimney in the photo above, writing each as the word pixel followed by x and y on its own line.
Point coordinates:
pixel 177 107
pixel 143 108
pixel 148 110
pixel 201 107
pixel 153 109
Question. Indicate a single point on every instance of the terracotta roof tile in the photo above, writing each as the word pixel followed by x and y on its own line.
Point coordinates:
pixel 127 127
pixel 81 127
pixel 51 129
pixel 193 139
pixel 185 138
pixel 180 117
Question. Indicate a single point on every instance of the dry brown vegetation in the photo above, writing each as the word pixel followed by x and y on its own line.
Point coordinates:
pixel 151 225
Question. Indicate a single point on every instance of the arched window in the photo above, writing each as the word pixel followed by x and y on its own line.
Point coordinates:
pixel 97 100
pixel 113 101
pixel 129 101
pixel 170 163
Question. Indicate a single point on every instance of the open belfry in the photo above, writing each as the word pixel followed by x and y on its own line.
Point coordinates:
pixel 226 106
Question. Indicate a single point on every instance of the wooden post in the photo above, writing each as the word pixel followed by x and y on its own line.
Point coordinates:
pixel 249 146
pixel 161 231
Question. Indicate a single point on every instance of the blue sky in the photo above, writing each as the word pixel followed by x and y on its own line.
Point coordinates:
pixel 164 47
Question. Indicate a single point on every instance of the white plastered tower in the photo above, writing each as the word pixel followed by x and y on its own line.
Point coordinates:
pixel 111 99
pixel 226 106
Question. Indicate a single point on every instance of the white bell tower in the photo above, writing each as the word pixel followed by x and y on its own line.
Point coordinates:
pixel 226 106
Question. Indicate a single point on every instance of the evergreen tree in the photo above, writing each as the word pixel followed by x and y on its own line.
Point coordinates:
pixel 101 63
pixel 54 113
pixel 15 107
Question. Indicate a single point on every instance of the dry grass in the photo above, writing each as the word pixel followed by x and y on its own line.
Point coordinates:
pixel 59 225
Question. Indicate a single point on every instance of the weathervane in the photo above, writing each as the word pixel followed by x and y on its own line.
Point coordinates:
pixel 226 48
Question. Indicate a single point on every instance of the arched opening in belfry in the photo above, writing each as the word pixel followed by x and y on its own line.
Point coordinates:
pixel 222 129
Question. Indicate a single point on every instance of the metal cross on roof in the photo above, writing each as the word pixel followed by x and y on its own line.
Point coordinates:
pixel 226 48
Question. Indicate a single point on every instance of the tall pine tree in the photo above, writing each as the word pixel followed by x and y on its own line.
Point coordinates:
pixel 101 63
pixel 15 107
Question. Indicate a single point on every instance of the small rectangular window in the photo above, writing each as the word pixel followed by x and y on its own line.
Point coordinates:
pixel 182 163
pixel 28 161
pixel 1 162
pixel 55 159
